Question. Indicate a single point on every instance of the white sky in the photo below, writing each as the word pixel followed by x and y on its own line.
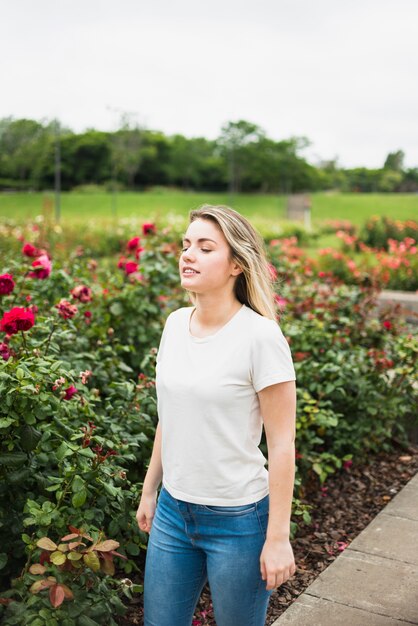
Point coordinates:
pixel 342 72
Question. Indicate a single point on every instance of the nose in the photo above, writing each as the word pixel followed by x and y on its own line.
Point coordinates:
pixel 186 255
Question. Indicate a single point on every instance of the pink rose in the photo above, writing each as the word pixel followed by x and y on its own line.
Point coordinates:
pixel 82 293
pixel 42 267
pixel 66 309
pixel 4 351
pixel 272 272
pixel 138 252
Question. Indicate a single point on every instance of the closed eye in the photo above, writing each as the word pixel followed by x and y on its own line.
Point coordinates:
pixel 202 249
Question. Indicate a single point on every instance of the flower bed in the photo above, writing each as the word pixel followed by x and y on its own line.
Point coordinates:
pixel 77 358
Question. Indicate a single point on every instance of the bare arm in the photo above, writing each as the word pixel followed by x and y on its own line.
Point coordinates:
pixel 278 409
pixel 154 473
pixel 148 502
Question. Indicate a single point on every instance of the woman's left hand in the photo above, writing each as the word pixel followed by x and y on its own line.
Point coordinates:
pixel 277 562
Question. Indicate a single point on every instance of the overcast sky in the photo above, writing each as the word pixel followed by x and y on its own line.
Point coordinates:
pixel 344 73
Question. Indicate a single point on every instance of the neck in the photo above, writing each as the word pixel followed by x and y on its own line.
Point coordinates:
pixel 212 312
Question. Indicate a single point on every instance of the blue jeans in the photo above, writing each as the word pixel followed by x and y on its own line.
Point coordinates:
pixel 190 544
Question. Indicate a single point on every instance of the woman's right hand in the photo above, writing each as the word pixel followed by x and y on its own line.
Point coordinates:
pixel 146 511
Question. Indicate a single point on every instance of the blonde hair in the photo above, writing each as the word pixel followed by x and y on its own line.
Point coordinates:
pixel 253 286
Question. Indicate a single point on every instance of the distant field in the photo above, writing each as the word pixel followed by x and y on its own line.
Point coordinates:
pixel 78 207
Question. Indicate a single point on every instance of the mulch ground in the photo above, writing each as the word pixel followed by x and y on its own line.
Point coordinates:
pixel 341 510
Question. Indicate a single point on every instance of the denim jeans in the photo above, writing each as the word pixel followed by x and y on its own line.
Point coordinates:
pixel 190 544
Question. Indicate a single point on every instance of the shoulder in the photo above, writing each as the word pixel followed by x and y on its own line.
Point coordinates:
pixel 261 327
pixel 178 315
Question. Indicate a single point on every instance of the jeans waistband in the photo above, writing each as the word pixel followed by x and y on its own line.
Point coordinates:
pixel 263 503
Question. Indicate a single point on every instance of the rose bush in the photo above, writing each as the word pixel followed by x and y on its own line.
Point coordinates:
pixel 77 368
pixel 383 252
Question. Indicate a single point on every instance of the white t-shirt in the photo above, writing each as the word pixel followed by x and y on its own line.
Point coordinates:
pixel 208 406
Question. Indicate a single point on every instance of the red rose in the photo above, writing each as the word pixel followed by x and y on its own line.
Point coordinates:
pixel 122 263
pixel 133 243
pixel 131 267
pixel 387 324
pixel 6 284
pixel 31 250
pixel 42 267
pixel 17 319
pixel 82 293
pixel 70 392
pixel 148 228
pixel 87 314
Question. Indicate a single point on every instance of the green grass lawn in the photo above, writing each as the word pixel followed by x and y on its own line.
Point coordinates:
pixel 78 207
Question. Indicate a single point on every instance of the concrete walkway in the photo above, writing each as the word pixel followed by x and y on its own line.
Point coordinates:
pixel 374 582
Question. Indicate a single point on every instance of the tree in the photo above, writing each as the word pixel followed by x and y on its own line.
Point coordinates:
pixel 23 144
pixel 234 142
pixel 126 146
pixel 394 161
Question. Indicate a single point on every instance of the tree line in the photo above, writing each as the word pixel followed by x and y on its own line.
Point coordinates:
pixel 241 159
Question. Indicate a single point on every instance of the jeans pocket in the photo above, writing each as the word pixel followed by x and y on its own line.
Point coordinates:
pixel 230 510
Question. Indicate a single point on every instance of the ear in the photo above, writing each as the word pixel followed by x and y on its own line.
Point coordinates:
pixel 236 269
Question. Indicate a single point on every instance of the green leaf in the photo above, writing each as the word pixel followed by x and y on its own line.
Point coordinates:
pixel 86 452
pixel 58 558
pixel 84 620
pixel 79 498
pixel 29 388
pixel 29 438
pixel 3 559
pixel 29 418
pixel 111 490
pixel 132 548
pixel 125 368
pixel 18 476
pixel 5 422
pixel 92 561
pixel 317 468
pixel 77 484
pixel 20 374
pixel 13 458
pixel 63 451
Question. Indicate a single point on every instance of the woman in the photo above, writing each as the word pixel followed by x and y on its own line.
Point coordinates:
pixel 223 369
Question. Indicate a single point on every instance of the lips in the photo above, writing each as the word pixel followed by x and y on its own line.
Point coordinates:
pixel 189 271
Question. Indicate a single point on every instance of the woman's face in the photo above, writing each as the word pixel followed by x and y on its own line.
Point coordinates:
pixel 206 252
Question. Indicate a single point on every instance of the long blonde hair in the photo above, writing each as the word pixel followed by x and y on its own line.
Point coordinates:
pixel 253 286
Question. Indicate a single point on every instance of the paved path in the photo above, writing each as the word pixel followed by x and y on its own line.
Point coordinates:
pixel 374 582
